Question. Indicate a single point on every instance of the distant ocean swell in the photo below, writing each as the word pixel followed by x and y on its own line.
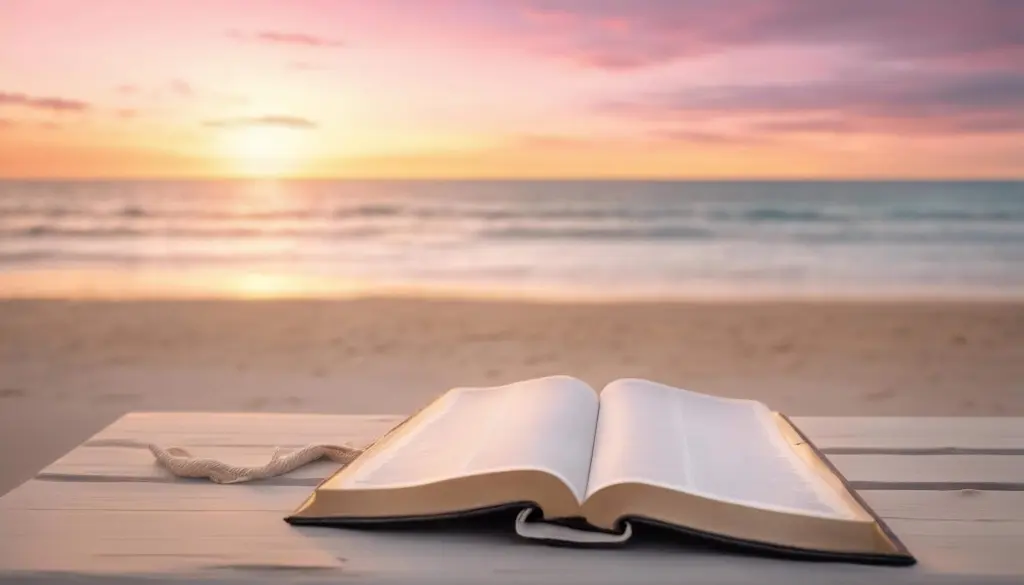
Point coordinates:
pixel 673 237
pixel 871 235
pixel 758 214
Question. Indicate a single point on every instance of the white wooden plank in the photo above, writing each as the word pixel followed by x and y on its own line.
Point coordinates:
pixel 249 439
pixel 826 432
pixel 968 548
pixel 204 545
pixel 154 497
pixel 913 432
pixel 199 496
pixel 937 469
pixel 99 541
pixel 979 506
pixel 244 429
pixel 138 463
pixel 119 451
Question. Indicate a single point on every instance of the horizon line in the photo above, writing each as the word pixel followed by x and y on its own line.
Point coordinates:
pixel 596 178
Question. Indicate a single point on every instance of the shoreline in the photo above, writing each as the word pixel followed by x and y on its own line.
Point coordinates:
pixel 210 285
pixel 71 367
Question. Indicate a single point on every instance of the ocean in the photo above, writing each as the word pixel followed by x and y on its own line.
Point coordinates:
pixel 600 239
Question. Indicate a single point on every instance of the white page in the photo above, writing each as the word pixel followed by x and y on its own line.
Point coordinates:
pixel 546 424
pixel 720 448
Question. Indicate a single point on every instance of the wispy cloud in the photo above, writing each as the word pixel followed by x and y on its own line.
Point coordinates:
pixel 629 34
pixel 294 122
pixel 277 37
pixel 905 101
pixel 550 141
pixel 180 88
pixel 175 87
pixel 705 137
pixel 52 104
pixel 999 123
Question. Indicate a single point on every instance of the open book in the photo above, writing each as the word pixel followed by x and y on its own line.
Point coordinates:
pixel 585 467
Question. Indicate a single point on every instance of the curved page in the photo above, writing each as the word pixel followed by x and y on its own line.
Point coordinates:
pixel 546 424
pixel 725 449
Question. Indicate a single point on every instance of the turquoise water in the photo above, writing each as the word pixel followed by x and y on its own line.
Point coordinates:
pixel 603 238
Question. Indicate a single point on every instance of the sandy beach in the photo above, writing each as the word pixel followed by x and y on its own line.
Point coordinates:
pixel 71 367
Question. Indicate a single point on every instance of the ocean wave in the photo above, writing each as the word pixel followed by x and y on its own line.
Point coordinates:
pixel 581 214
pixel 133 259
pixel 27 257
pixel 42 231
pixel 370 210
pixel 134 212
pixel 779 215
pixel 526 212
pixel 598 233
pixel 925 215
pixel 892 237
pixel 456 211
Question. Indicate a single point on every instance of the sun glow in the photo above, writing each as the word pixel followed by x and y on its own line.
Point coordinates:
pixel 263 151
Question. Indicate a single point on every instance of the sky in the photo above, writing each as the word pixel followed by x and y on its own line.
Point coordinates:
pixel 512 88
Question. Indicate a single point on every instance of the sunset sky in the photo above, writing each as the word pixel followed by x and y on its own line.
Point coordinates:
pixel 512 88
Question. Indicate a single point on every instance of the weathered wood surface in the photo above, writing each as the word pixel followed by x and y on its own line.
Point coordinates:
pixel 106 513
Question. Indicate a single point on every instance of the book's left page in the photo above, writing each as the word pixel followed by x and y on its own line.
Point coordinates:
pixel 473 448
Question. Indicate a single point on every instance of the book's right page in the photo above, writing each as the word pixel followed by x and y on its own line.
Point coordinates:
pixel 725 468
pixel 720 448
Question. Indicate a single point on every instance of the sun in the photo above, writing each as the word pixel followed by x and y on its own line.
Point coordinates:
pixel 265 151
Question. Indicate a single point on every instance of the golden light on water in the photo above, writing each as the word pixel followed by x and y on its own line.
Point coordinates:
pixel 263 286
pixel 116 284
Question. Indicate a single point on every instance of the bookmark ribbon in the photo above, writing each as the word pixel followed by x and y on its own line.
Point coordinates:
pixel 546 531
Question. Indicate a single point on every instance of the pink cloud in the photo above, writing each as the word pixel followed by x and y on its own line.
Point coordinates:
pixel 287 38
pixel 551 141
pixel 907 101
pixel 52 104
pixel 181 88
pixel 629 34
pixel 305 66
pixel 1001 123
pixel 295 122
pixel 706 137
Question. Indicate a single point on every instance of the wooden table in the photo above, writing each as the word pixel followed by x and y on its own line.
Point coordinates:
pixel 951 488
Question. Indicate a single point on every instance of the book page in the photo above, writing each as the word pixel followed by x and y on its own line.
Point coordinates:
pixel 724 449
pixel 546 424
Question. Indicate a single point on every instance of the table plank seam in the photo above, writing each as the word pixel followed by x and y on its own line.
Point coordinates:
pixel 928 486
pixel 313 482
pixel 131 444
pixel 921 451
pixel 76 478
